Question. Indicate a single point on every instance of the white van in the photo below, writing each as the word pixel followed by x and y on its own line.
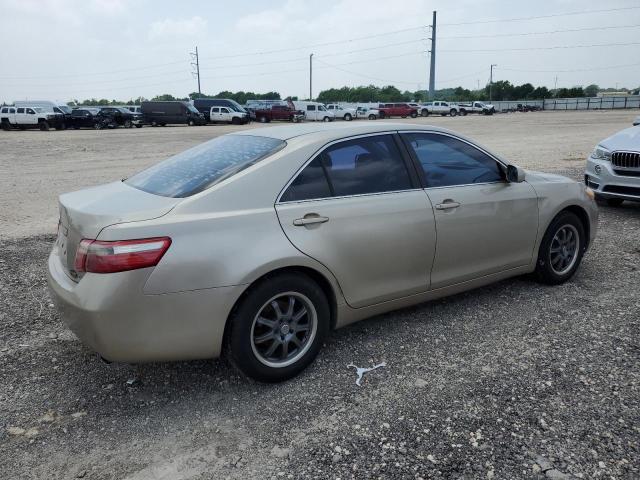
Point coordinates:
pixel 315 111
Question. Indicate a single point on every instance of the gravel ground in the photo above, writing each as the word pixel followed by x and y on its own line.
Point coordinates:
pixel 514 380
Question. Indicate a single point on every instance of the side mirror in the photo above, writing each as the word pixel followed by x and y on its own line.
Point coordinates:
pixel 515 174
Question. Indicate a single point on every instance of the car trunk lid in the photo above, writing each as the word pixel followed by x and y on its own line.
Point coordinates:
pixel 83 214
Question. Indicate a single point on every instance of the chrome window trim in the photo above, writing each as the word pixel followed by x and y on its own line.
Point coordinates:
pixel 322 149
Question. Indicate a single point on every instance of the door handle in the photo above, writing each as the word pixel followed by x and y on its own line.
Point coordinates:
pixel 447 204
pixel 310 219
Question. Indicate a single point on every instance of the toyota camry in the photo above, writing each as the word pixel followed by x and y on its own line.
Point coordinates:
pixel 256 244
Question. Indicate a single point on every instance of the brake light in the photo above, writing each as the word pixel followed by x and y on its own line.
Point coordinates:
pixel 97 256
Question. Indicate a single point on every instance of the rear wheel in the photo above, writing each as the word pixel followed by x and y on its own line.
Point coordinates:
pixel 326 119
pixel 278 328
pixel 128 124
pixel 372 117
pixel 6 126
pixel 348 117
pixel 453 112
pixel 44 126
pixel 191 123
pixel 414 114
pixel 463 113
pixel 138 125
pixel 262 119
pixel 561 250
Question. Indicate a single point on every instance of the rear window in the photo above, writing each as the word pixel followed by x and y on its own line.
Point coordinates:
pixel 198 168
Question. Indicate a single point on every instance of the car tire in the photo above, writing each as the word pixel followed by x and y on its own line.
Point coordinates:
pixel 372 117
pixel 326 119
pixel 44 126
pixel 6 126
pixel 382 115
pixel 128 124
pixel 414 114
pixel 453 112
pixel 614 202
pixel 138 125
pixel 463 113
pixel 561 250
pixel 191 123
pixel 258 331
pixel 348 117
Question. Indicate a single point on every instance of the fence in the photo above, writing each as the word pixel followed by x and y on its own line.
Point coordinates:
pixel 583 103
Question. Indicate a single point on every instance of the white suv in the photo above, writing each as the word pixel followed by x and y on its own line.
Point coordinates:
pixel 342 112
pixel 613 168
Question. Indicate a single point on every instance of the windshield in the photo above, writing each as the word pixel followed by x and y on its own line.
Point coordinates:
pixel 192 109
pixel 199 168
pixel 321 108
pixel 65 108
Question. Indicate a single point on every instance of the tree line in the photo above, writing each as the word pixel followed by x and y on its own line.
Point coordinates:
pixel 500 90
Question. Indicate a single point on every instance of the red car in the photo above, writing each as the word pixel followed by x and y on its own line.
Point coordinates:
pixel 397 110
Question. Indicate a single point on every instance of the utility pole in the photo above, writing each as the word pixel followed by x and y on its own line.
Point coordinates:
pixel 194 56
pixel 555 83
pixel 432 69
pixel 311 77
pixel 491 80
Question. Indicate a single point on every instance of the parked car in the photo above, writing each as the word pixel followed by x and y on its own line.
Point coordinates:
pixel 271 112
pixel 120 116
pixel 134 108
pixel 203 105
pixel 397 110
pixel 226 115
pixel 164 113
pixel 368 113
pixel 613 168
pixel 441 108
pixel 315 112
pixel 82 118
pixel 48 107
pixel 265 240
pixel 22 118
pixel 477 107
pixel 339 111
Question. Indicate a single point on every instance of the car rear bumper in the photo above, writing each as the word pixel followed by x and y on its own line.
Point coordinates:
pixel 111 314
pixel 606 182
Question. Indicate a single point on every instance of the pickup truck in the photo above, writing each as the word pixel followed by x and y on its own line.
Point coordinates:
pixel 477 107
pixel 441 108
pixel 397 110
pixel 30 117
pixel 342 112
pixel 226 115
pixel 366 112
pixel 277 112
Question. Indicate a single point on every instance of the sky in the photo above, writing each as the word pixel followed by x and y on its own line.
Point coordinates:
pixel 117 49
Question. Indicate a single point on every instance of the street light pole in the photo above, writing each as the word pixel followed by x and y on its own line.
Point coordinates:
pixel 491 80
pixel 311 77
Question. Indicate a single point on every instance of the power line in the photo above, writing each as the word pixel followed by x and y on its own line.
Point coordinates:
pixel 540 33
pixel 518 19
pixel 557 47
pixel 611 67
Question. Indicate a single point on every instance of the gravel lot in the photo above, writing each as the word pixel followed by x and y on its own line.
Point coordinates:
pixel 515 380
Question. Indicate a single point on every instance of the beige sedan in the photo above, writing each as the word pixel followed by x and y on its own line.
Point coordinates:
pixel 256 244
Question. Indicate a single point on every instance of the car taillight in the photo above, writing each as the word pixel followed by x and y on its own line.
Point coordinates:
pixel 97 256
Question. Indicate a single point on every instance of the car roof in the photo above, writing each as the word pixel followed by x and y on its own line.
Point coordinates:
pixel 338 129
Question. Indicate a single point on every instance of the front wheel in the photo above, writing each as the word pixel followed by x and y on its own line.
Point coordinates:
pixel 372 117
pixel 453 112
pixel 44 126
pixel 348 117
pixel 278 328
pixel 326 119
pixel 191 123
pixel 463 113
pixel 561 250
pixel 128 124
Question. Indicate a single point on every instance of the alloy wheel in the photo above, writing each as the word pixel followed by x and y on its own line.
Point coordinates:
pixel 563 251
pixel 284 329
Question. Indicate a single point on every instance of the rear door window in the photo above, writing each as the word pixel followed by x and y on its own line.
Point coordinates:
pixel 201 167
pixel 21 110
